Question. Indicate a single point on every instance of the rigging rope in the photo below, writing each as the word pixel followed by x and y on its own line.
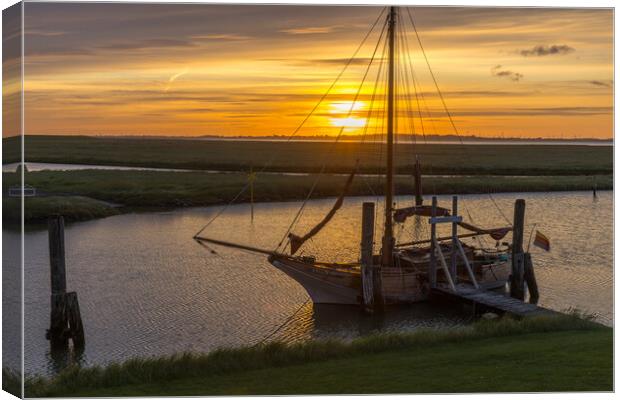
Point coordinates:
pixel 443 102
pixel 369 117
pixel 316 181
pixel 348 63
pixel 286 322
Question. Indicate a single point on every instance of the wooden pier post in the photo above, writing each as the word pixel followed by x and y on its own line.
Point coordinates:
pixel 517 287
pixel 368 231
pixel 58 322
pixel 530 279
pixel 454 239
pixel 432 270
pixel 418 183
pixel 65 318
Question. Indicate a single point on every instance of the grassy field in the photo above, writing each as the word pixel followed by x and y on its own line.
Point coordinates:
pixel 81 195
pixel 310 156
pixel 538 354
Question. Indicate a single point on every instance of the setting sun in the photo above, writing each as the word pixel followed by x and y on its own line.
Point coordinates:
pixel 344 114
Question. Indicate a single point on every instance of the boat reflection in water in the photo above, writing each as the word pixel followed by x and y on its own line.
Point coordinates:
pixel 330 321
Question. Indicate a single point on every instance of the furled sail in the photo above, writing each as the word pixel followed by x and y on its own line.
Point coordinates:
pixel 495 233
pixel 298 241
pixel 402 214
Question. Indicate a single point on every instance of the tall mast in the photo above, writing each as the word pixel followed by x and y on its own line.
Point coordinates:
pixel 388 234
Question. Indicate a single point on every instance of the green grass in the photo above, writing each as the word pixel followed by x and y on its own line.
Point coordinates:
pixel 156 189
pixel 310 156
pixel 73 208
pixel 537 354
pixel 11 382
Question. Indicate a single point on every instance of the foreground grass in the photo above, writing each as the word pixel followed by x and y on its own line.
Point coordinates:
pixel 310 156
pixel 537 354
pixel 157 189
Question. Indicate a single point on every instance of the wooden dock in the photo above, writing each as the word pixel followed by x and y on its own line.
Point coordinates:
pixel 493 301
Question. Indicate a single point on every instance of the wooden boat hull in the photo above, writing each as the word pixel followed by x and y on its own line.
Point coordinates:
pixel 324 285
pixel 342 284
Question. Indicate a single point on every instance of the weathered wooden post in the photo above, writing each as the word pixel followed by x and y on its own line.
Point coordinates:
pixel 432 270
pixel 251 178
pixel 65 318
pixel 530 278
pixel 517 287
pixel 58 322
pixel 368 230
pixel 455 239
pixel 418 183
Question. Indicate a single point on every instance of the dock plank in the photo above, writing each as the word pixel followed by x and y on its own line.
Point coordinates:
pixel 494 300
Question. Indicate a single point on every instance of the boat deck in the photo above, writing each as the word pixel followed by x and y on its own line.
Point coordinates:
pixel 493 300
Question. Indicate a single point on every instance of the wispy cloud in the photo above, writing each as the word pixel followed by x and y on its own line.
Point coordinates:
pixel 222 36
pixel 40 32
pixel 524 112
pixel 504 73
pixel 542 50
pixel 310 30
pixel 601 84
pixel 174 78
pixel 148 44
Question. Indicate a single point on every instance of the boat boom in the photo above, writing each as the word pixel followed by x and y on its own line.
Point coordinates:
pixel 236 246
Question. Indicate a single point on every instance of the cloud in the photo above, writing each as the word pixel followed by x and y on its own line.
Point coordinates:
pixel 148 44
pixel 601 84
pixel 174 78
pixel 222 36
pixel 311 30
pixel 504 73
pixel 542 50
pixel 342 61
pixel 523 112
pixel 40 32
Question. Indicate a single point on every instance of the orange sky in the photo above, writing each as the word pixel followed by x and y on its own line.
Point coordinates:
pixel 258 70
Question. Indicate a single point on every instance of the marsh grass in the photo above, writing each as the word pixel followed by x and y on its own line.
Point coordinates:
pixel 73 208
pixel 75 193
pixel 11 382
pixel 223 361
pixel 239 155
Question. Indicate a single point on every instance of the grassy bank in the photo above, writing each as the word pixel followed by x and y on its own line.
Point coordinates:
pixel 83 194
pixel 310 156
pixel 73 208
pixel 538 354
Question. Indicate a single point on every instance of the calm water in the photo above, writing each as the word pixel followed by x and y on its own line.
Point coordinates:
pixel 146 288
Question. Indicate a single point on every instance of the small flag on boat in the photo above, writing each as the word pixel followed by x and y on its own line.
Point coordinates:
pixel 542 241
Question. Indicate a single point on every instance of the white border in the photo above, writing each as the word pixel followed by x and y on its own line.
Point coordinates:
pixel 480 3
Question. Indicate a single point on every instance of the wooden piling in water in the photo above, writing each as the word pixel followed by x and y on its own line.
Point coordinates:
pixel 56 238
pixel 517 286
pixel 418 183
pixel 368 231
pixel 530 278
pixel 65 318
pixel 432 270
pixel 454 240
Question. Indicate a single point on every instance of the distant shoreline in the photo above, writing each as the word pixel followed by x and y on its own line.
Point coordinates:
pixel 405 139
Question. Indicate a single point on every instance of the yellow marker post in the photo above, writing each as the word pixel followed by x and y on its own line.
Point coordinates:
pixel 251 178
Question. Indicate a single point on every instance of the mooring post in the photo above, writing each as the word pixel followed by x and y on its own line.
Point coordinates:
pixel 530 278
pixel 418 183
pixel 455 239
pixel 58 321
pixel 517 287
pixel 432 270
pixel 65 318
pixel 368 231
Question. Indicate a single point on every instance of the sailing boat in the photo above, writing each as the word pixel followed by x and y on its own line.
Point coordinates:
pixel 404 272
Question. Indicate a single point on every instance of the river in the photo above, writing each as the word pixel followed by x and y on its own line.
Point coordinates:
pixel 146 288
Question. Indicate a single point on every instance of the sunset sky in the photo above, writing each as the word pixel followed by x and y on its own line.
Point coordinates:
pixel 122 69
